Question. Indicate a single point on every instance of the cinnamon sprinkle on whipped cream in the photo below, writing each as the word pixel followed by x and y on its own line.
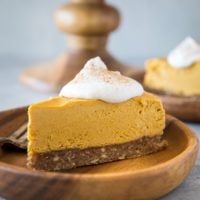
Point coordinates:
pixel 95 81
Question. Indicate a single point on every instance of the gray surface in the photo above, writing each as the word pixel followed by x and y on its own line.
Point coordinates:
pixel 148 28
pixel 13 94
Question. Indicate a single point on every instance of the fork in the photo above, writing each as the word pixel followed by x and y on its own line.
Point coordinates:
pixel 18 138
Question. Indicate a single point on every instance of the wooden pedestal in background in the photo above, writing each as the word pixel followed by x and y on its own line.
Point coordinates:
pixel 88 24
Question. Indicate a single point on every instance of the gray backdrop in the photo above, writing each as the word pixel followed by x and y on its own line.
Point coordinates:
pixel 148 28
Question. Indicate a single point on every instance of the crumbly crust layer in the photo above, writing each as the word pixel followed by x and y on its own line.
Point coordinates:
pixel 72 158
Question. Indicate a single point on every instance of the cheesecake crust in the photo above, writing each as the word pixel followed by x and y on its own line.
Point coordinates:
pixel 72 158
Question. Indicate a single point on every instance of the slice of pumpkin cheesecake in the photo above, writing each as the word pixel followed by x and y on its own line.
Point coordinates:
pixel 177 74
pixel 100 116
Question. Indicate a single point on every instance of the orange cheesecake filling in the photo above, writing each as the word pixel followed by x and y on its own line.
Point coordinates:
pixel 61 123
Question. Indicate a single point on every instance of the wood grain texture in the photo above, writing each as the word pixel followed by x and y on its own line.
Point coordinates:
pixel 184 108
pixel 148 177
pixel 12 119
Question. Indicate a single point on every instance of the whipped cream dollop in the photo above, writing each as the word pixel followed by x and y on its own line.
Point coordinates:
pixel 95 81
pixel 185 54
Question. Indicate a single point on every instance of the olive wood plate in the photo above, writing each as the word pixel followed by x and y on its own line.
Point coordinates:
pixel 184 108
pixel 147 177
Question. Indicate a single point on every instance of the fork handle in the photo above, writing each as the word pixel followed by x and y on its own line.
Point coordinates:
pixel 4 140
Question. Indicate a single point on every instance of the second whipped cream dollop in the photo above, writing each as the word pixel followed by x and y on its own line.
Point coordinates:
pixel 185 54
pixel 95 81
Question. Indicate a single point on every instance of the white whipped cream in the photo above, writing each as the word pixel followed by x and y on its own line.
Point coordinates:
pixel 95 81
pixel 185 54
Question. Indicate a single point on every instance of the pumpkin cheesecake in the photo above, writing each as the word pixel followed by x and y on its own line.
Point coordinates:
pixel 100 116
pixel 178 74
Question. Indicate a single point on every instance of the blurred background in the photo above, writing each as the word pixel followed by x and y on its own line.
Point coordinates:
pixel 148 28
pixel 29 35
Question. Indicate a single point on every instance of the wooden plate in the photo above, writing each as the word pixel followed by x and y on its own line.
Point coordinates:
pixel 148 177
pixel 184 108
